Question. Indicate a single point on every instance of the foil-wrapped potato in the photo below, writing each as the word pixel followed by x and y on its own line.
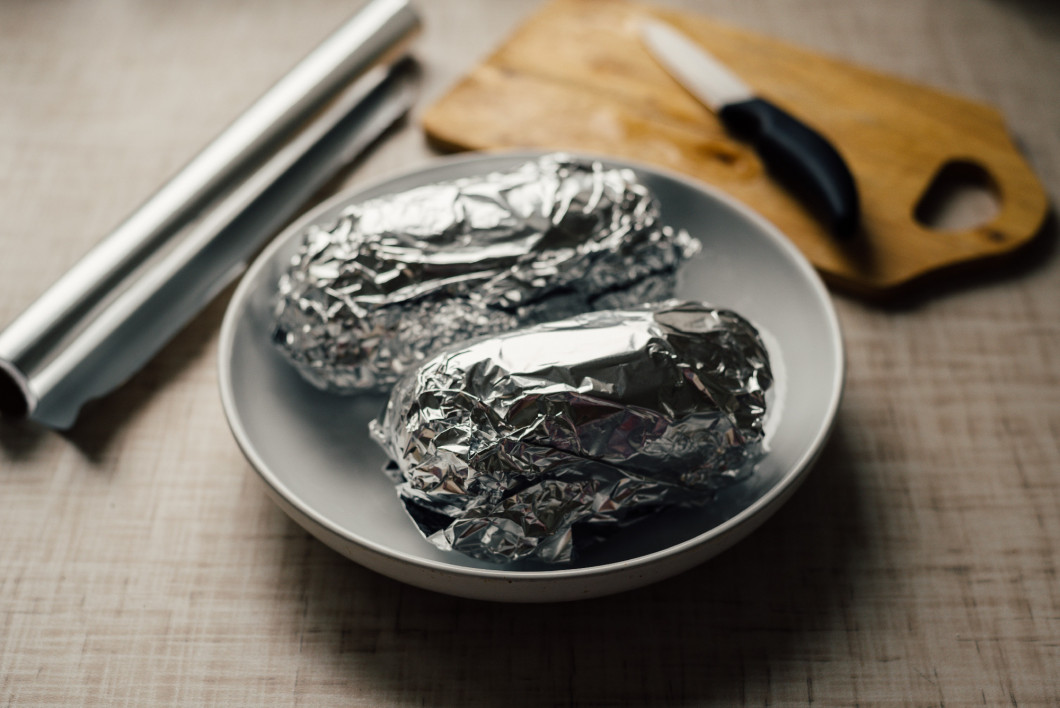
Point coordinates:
pixel 399 277
pixel 538 442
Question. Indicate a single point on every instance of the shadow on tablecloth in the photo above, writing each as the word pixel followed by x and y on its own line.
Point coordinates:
pixel 722 631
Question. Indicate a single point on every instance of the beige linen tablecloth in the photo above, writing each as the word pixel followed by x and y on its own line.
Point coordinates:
pixel 142 564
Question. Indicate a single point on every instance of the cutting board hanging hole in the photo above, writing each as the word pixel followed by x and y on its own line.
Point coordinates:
pixel 962 196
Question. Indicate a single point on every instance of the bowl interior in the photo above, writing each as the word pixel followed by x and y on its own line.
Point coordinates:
pixel 314 450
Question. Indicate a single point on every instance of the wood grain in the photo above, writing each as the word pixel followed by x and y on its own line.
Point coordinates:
pixel 576 76
pixel 142 564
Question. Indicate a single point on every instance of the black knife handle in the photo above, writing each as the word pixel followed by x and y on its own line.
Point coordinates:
pixel 800 158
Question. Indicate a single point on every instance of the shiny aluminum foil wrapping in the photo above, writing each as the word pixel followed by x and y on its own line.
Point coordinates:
pixel 398 278
pixel 542 441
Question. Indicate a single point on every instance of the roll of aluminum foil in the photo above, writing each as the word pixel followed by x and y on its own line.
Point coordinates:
pixel 537 443
pixel 124 299
pixel 399 277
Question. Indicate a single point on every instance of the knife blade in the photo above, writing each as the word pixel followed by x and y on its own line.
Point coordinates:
pixel 798 156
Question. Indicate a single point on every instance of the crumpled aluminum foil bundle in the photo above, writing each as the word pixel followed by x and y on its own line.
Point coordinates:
pixel 399 277
pixel 538 442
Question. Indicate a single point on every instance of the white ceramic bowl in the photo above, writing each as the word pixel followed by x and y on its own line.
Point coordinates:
pixel 317 461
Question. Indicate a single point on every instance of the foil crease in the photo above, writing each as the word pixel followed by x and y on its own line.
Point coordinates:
pixel 540 442
pixel 399 277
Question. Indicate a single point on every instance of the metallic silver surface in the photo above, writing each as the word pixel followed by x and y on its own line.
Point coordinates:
pixel 700 73
pixel 56 325
pixel 400 277
pixel 216 250
pixel 535 443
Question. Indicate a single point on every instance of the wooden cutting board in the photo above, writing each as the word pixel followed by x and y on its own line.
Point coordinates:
pixel 576 77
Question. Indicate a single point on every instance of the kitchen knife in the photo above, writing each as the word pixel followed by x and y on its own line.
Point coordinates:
pixel 796 154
